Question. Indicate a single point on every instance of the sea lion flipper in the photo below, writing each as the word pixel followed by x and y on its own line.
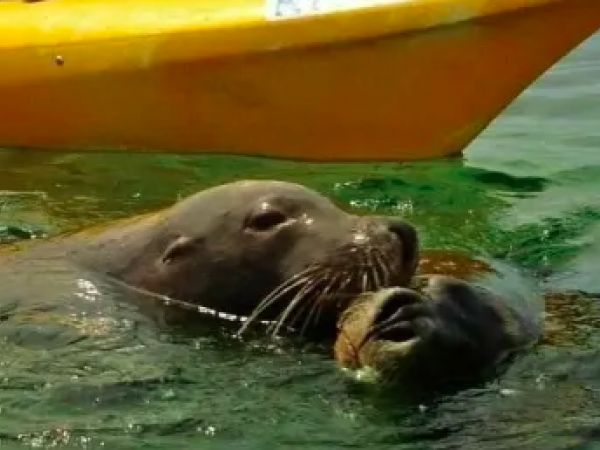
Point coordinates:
pixel 474 328
pixel 445 330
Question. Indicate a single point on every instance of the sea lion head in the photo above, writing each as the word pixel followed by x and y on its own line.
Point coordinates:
pixel 441 330
pixel 271 250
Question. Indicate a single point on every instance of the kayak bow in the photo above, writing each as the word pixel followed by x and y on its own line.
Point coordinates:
pixel 329 80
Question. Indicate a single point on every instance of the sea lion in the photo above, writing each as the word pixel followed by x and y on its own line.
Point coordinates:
pixel 459 320
pixel 261 248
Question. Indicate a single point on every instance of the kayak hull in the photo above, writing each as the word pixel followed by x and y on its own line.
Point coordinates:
pixel 409 95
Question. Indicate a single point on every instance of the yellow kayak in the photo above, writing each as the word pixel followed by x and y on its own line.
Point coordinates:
pixel 303 79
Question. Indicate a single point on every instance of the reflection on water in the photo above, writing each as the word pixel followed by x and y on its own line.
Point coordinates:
pixel 78 368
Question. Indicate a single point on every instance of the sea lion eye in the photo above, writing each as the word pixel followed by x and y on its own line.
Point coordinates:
pixel 265 220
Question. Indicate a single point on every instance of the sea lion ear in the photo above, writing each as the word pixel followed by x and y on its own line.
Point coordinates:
pixel 181 246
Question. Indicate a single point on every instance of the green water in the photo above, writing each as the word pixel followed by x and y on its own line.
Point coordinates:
pixel 527 192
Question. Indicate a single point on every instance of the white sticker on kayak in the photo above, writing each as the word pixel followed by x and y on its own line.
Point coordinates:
pixel 283 9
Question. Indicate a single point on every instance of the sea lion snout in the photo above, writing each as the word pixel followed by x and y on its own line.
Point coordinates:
pixel 408 237
pixel 379 329
pixel 300 228
pixel 325 259
pixel 406 240
pixel 394 240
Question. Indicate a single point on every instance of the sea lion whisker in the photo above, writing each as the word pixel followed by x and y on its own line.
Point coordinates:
pixel 367 275
pixel 292 283
pixel 296 277
pixel 384 255
pixel 317 315
pixel 298 313
pixel 343 285
pixel 373 270
pixel 322 298
pixel 266 303
pixel 365 282
pixel 349 279
pixel 278 293
pixel 273 328
pixel 355 280
pixel 305 305
pixel 383 269
pixel 300 295
pixel 379 260
pixel 391 265
pixel 317 306
pixel 308 320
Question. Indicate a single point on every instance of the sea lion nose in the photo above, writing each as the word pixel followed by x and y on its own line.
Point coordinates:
pixel 407 235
